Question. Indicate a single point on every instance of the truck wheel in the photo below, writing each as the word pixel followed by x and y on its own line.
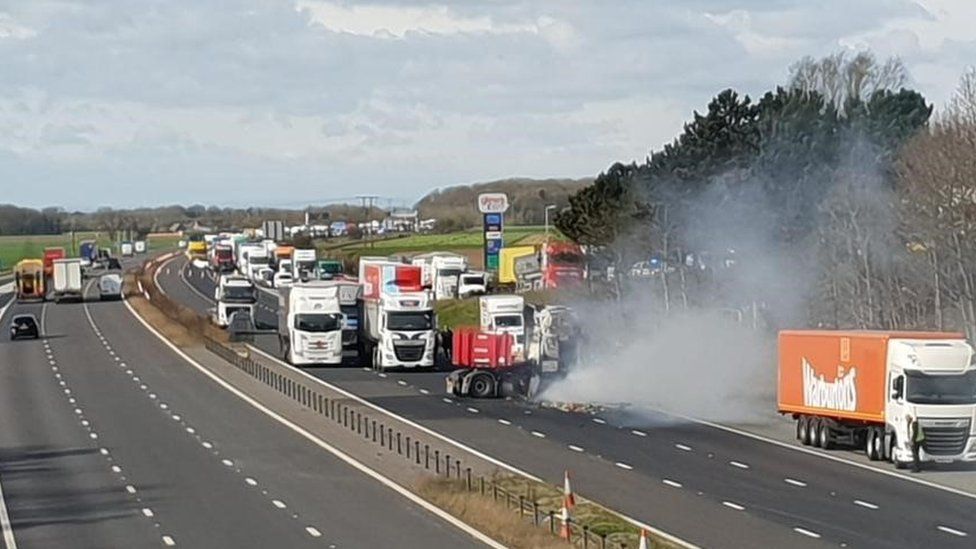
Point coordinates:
pixel 804 425
pixel 800 428
pixel 824 438
pixel 874 443
pixel 482 386
pixel 376 358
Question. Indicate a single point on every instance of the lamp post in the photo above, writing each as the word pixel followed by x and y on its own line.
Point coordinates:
pixel 548 207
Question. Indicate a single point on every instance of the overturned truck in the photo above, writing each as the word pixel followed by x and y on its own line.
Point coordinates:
pixel 498 359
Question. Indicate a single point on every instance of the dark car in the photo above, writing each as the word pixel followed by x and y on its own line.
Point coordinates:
pixel 24 326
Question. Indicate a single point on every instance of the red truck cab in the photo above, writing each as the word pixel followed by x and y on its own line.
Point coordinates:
pixel 563 265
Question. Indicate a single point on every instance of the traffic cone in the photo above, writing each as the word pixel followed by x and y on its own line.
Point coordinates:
pixel 643 540
pixel 569 501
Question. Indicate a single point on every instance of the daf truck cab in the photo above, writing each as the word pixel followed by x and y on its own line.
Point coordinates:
pixel 397 325
pixel 233 293
pixel 310 324
pixel 505 313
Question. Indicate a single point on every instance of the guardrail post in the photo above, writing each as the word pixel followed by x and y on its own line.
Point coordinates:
pixel 359 424
pixel 586 536
pixel 399 449
pixel 552 522
pixel 481 485
pixel 374 430
pixel 467 473
pixel 437 461
pixel 382 430
pixel 389 439
pixel 408 447
pixel 447 465
pixel 603 541
pixel 521 504
pixel 535 513
pixel 427 456
pixel 416 451
pixel 457 464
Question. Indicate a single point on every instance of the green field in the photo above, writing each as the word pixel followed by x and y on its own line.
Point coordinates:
pixel 471 239
pixel 15 248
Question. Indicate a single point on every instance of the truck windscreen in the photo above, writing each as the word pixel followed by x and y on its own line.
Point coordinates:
pixel 238 293
pixel 260 260
pixel 421 320
pixel 941 389
pixel 318 322
pixel 508 321
pixel 449 272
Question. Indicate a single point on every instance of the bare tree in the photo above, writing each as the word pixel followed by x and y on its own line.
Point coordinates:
pixel 841 77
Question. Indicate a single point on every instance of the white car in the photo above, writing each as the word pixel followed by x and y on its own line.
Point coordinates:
pixel 283 279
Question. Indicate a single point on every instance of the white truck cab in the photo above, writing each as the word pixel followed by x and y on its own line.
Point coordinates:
pixel 310 324
pixel 934 382
pixel 441 272
pixel 472 283
pixel 233 293
pixel 303 264
pixel 505 313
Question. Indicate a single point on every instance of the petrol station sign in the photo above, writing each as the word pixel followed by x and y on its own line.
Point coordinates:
pixel 493 207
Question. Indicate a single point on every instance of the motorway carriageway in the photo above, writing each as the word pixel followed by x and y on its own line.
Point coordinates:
pixel 705 485
pixel 110 439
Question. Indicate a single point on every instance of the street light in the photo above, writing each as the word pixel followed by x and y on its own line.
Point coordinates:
pixel 548 207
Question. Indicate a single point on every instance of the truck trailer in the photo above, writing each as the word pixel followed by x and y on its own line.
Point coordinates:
pixel 67 279
pixel 397 326
pixel 866 388
pixel 310 324
pixel 51 254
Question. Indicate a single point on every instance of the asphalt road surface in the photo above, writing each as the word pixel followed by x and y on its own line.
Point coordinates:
pixel 108 439
pixel 703 484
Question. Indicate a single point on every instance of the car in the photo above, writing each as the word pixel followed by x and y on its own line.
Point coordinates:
pixel 24 326
pixel 283 280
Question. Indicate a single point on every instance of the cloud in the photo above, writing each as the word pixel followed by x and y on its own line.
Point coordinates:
pixel 394 97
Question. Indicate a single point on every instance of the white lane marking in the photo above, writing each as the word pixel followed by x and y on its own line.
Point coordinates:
pixel 250 481
pixel 278 503
pixel 952 531
pixel 8 532
pixel 472 410
pixel 866 504
pixel 823 455
pixel 795 482
pixel 78 411
pixel 93 436
pixel 191 430
pixel 538 434
pixel 623 465
pixel 163 405
pixel 176 417
pixel 170 542
pixel 116 469
pixel 683 447
pixel 313 532
pixel 85 423
pixel 414 498
pixel 504 422
pixel 671 483
pixel 401 383
pixel 447 400
pixel 638 433
pixel 206 445
pixel 152 396
pixel 103 451
pixel 738 464
pixel 735 506
pixel 147 512
pixel 130 488
pixel 807 533
pixel 600 421
pixel 575 448
pixel 227 462
pixel 71 400
pixel 382 375
pixel 424 392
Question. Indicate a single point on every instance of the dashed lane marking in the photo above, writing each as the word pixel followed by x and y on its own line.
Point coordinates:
pixel 672 483
pixel 952 531
pixel 732 505
pixel 865 504
pixel 795 482
pixel 807 533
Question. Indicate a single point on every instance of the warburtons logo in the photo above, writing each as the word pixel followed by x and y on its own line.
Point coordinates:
pixel 840 394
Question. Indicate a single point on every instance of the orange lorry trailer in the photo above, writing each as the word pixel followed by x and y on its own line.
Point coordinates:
pixel 863 388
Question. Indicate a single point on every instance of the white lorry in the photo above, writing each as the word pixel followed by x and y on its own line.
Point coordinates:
pixel 233 293
pixel 310 324
pixel 397 326
pixel 244 251
pixel 505 313
pixel 257 258
pixel 349 293
pixel 126 249
pixel 140 246
pixel 303 264
pixel 67 279
pixel 441 271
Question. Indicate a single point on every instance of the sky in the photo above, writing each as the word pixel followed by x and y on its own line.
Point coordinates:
pixel 283 103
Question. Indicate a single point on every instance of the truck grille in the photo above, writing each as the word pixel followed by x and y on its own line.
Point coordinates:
pixel 945 437
pixel 409 353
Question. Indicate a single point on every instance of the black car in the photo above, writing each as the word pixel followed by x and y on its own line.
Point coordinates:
pixel 24 326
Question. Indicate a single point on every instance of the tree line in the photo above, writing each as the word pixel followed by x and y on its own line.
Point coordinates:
pixel 840 199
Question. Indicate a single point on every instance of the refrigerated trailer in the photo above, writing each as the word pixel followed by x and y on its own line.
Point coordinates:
pixel 397 326
pixel 67 279
pixel 866 388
